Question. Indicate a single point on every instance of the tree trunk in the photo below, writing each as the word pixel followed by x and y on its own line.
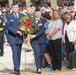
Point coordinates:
pixel 54 4
pixel 10 2
pixel 27 3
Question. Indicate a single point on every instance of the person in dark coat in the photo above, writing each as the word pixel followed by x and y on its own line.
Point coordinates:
pixel 15 37
pixel 2 28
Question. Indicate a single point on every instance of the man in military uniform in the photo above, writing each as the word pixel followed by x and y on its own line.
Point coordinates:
pixel 38 40
pixel 2 28
pixel 15 37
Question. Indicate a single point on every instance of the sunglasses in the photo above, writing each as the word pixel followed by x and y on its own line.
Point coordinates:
pixel 3 12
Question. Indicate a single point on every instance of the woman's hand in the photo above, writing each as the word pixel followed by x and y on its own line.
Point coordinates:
pixel 46 32
pixel 74 42
pixel 48 37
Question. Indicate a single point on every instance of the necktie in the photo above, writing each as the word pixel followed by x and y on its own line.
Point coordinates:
pixel 16 15
pixel 36 20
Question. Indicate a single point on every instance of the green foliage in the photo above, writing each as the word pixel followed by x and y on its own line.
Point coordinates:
pixel 16 0
pixel 33 23
pixel 37 0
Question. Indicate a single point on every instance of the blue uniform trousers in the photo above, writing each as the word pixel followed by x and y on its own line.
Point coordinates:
pixel 39 50
pixel 16 50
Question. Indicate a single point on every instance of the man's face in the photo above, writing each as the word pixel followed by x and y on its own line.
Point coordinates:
pixel 38 14
pixel 3 13
pixel 15 9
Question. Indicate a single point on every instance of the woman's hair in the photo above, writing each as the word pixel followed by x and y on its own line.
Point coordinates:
pixel 47 16
pixel 69 16
pixel 58 14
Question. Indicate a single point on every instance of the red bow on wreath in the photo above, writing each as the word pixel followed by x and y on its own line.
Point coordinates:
pixel 28 24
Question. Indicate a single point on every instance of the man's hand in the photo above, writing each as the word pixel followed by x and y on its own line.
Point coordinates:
pixel 19 32
pixel 46 32
pixel 22 28
pixel 32 36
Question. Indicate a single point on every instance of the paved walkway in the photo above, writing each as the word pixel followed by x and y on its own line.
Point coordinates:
pixel 27 60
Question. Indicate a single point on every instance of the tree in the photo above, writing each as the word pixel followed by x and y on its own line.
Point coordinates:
pixel 37 2
pixel 16 0
pixel 54 4
pixel 59 2
pixel 27 3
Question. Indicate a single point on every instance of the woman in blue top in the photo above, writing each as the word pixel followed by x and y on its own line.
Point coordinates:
pixel 47 54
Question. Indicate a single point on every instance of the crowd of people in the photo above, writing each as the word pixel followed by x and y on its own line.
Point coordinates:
pixel 49 43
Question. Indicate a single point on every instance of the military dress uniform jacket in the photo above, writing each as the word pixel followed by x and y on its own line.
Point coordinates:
pixel 40 35
pixel 2 26
pixel 12 27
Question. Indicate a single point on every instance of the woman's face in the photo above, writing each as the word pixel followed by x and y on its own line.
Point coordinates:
pixel 38 14
pixel 29 10
pixel 33 9
pixel 56 14
pixel 68 18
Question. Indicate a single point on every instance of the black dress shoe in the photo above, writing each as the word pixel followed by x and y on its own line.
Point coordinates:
pixel 1 54
pixel 68 67
pixel 54 68
pixel 15 72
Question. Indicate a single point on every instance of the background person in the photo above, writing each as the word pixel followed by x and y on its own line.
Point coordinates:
pixel 54 35
pixel 68 44
pixel 2 28
pixel 47 54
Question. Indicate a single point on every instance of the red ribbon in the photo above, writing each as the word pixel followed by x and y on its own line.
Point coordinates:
pixel 28 24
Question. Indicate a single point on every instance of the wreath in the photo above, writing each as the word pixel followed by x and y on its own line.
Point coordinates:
pixel 28 25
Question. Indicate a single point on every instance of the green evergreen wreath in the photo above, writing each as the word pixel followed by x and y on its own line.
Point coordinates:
pixel 28 25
